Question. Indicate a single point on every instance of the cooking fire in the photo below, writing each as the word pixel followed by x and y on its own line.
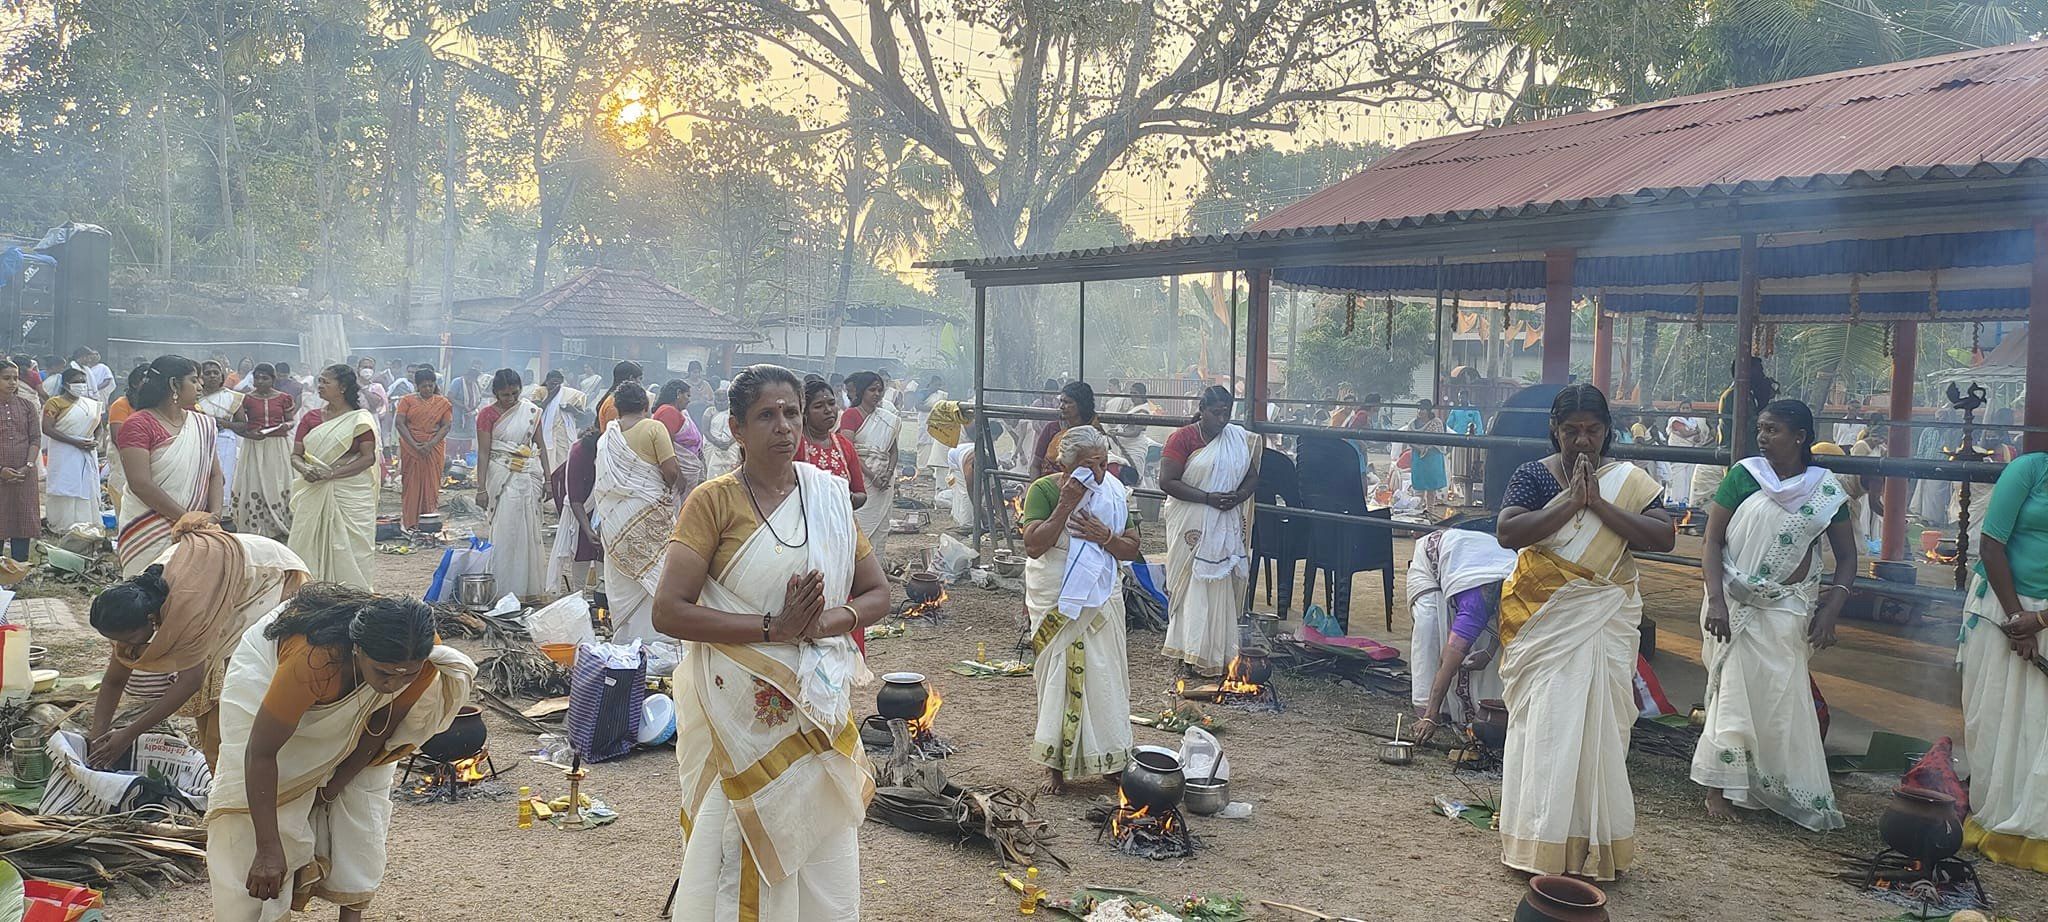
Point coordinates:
pixel 1142 833
pixel 1247 683
pixel 429 780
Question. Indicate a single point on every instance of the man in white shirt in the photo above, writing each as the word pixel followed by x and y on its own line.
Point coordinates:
pixel 1684 431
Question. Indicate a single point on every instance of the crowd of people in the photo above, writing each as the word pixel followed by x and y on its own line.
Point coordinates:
pixel 752 525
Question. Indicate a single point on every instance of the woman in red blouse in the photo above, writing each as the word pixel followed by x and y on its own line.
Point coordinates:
pixel 822 445
pixel 260 502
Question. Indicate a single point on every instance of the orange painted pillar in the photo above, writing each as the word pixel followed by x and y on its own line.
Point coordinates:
pixel 1258 326
pixel 2037 343
pixel 1557 315
pixel 1603 349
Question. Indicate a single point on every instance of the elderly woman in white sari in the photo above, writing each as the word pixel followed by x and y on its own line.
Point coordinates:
pixel 1568 625
pixel 1077 526
pixel 71 428
pixel 512 462
pixel 766 578
pixel 334 498
pixel 560 405
pixel 322 698
pixel 1208 471
pixel 183 616
pixel 636 504
pixel 167 451
pixel 874 427
pixel 1764 615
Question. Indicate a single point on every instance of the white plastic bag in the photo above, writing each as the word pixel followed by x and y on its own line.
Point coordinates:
pixel 955 558
pixel 1201 756
pixel 663 657
pixel 565 620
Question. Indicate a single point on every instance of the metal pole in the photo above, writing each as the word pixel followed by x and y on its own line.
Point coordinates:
pixel 1173 331
pixel 1436 369
pixel 1081 334
pixel 1258 341
pixel 1233 331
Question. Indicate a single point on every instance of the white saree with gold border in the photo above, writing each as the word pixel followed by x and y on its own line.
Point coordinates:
pixel 1568 625
pixel 336 850
pixel 334 521
pixel 1208 551
pixel 637 512
pixel 1082 671
pixel 775 782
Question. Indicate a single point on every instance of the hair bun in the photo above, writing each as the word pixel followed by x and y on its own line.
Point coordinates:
pixel 152 579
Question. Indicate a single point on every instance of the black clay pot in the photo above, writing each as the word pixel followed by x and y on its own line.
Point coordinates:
pixel 902 697
pixel 1257 664
pixel 1562 899
pixel 1921 824
pixel 923 586
pixel 1491 726
pixel 1153 780
pixel 463 739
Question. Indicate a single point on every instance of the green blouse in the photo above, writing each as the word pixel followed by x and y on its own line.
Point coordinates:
pixel 1044 496
pixel 2017 517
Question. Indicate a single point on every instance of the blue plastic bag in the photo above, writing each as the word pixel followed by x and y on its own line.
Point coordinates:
pixel 457 562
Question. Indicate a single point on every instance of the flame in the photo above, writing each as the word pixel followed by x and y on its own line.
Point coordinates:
pixel 1686 521
pixel 1180 688
pixel 1938 557
pixel 1123 820
pixel 921 726
pixel 1237 679
pixel 470 770
pixel 931 607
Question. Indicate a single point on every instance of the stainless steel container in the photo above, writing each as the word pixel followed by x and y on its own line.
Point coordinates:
pixel 477 591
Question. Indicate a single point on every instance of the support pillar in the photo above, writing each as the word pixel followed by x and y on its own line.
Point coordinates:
pixel 546 340
pixel 1557 315
pixel 1081 337
pixel 1603 349
pixel 1740 432
pixel 1258 326
pixel 1905 350
pixel 2037 343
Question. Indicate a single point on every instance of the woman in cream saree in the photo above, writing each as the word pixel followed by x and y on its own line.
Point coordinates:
pixel 1763 616
pixel 2005 676
pixel 766 578
pixel 167 450
pixel 334 499
pixel 512 464
pixel 1568 627
pixel 1208 472
pixel 1076 528
pixel 874 427
pixel 221 402
pixel 322 698
pixel 635 501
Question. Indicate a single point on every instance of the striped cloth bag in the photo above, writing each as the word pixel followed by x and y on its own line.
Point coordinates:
pixel 607 689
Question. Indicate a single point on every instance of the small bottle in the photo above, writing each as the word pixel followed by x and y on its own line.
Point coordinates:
pixel 525 808
pixel 980 651
pixel 1028 904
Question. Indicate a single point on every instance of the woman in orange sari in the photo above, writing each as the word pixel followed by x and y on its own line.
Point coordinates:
pixel 424 418
pixel 118 413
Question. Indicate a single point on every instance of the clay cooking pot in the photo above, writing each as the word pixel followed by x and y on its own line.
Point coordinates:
pixel 1921 824
pixel 1492 725
pixel 463 739
pixel 923 586
pixel 1562 899
pixel 902 697
pixel 1258 665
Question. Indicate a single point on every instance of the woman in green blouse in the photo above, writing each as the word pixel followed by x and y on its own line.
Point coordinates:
pixel 2005 679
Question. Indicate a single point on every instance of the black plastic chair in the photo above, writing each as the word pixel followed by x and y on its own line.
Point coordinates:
pixel 1277 538
pixel 1329 474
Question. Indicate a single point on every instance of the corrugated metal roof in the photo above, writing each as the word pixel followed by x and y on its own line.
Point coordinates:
pixel 1959 110
pixel 620 302
pixel 1970 115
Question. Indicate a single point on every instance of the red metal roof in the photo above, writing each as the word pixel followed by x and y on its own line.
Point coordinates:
pixel 1959 111
pixel 620 302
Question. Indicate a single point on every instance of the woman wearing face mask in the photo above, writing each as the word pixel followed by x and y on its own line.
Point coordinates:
pixel 168 453
pixel 223 404
pixel 21 511
pixel 767 574
pixel 512 466
pixel 71 424
pixel 322 698
pixel 334 500
pixel 1569 615
pixel 262 491
pixel 184 615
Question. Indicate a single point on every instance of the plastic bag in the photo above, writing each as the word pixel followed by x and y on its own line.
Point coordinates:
pixel 1201 756
pixel 565 620
pixel 458 562
pixel 663 658
pixel 955 558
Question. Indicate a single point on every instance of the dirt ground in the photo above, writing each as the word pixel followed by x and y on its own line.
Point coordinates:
pixel 1333 829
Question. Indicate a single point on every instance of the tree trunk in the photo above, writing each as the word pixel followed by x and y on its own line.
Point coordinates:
pixel 323 286
pixel 450 139
pixel 543 236
pixel 409 196
pixel 163 142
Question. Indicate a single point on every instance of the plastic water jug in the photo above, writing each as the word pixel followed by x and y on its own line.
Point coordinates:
pixel 15 681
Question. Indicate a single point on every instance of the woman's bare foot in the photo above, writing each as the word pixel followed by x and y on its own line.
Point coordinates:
pixel 1055 783
pixel 1718 807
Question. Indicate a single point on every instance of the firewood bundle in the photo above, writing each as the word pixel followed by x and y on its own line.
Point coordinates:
pixel 998 814
pixel 101 851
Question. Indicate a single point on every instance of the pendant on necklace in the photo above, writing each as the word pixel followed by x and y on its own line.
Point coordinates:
pixel 778 550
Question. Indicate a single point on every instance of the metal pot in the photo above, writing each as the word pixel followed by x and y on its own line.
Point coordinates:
pixel 463 739
pixel 1921 824
pixel 1492 725
pixel 903 696
pixel 477 591
pixel 1397 752
pixel 1258 665
pixel 1207 797
pixel 1562 899
pixel 1153 780
pixel 923 586
pixel 1009 565
pixel 429 524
